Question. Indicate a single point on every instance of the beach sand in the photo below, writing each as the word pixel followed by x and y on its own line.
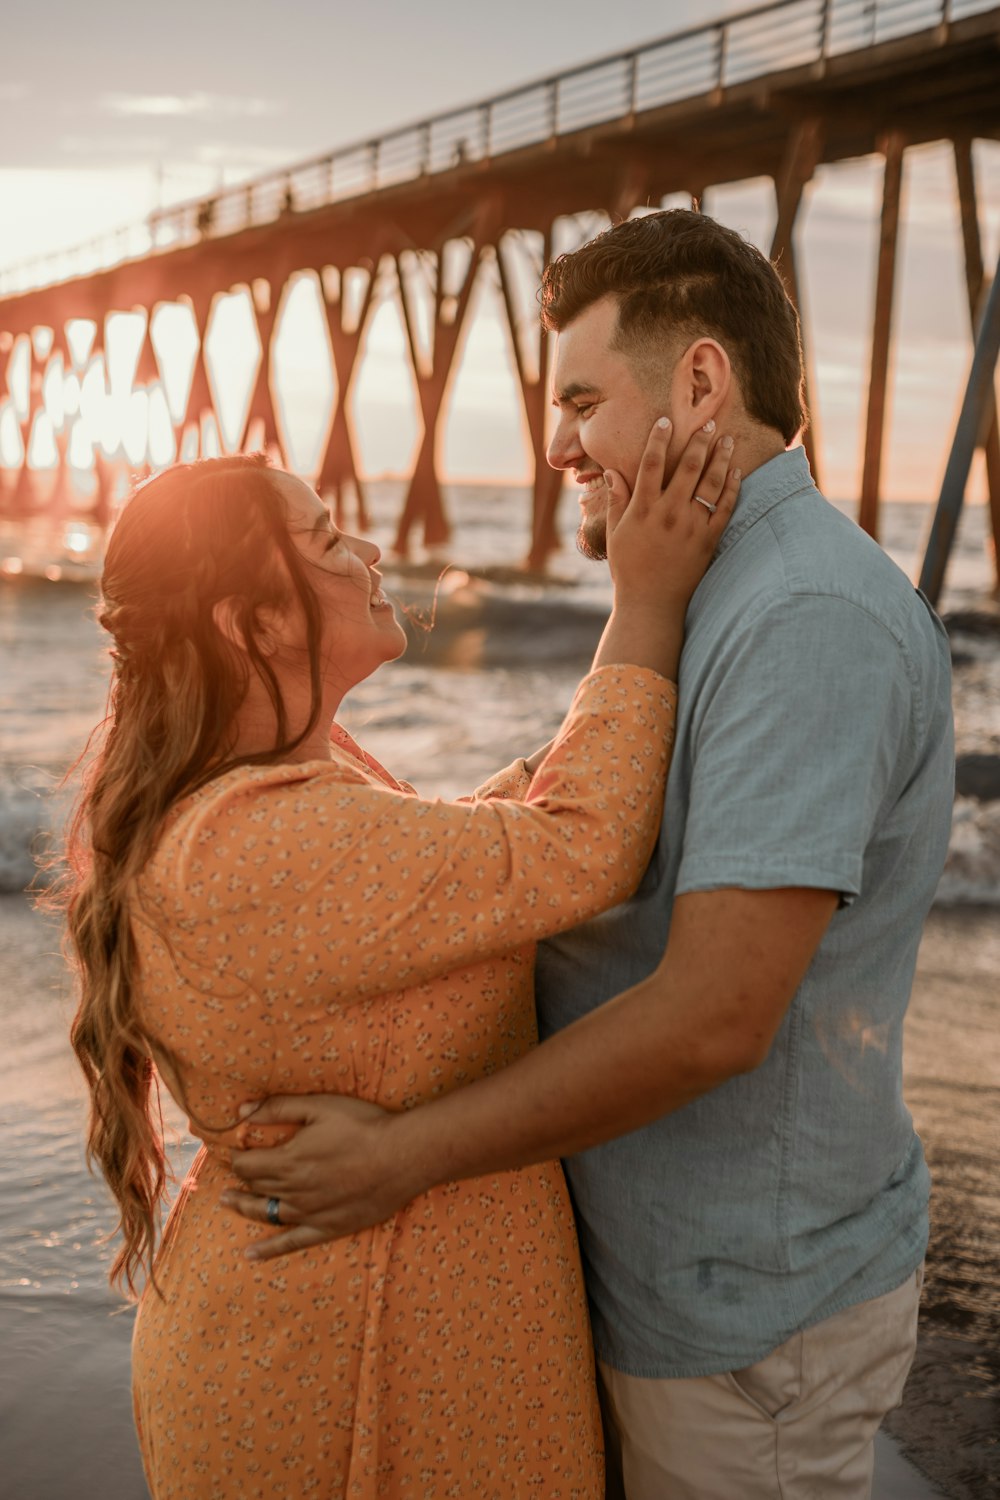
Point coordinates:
pixel 65 1413
pixel 949 1422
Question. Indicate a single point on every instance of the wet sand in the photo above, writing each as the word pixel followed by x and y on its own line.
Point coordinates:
pixel 949 1423
pixel 65 1413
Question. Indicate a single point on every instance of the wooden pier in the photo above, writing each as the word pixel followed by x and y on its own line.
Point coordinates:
pixel 774 92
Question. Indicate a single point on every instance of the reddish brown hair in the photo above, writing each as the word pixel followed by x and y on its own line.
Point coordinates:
pixel 678 276
pixel 190 538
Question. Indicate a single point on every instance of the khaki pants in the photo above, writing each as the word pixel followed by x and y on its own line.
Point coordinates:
pixel 799 1425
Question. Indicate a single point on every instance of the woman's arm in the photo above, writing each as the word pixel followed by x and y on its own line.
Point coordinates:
pixel 614 641
pixel 387 890
pixel 650 604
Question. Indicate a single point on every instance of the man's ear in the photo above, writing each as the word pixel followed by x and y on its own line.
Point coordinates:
pixel 225 613
pixel 705 378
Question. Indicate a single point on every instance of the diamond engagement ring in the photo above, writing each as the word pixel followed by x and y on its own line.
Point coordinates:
pixel 707 504
pixel 271 1209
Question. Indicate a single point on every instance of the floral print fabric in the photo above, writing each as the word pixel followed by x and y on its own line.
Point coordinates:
pixel 319 928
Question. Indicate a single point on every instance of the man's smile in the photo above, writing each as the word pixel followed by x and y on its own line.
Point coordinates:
pixel 590 481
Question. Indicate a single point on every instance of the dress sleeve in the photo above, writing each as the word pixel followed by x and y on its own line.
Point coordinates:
pixel 345 882
pixel 511 784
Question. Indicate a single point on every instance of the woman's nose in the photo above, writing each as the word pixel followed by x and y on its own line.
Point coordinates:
pixel 367 550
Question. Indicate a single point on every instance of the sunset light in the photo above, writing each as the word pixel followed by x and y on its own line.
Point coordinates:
pixel 542 756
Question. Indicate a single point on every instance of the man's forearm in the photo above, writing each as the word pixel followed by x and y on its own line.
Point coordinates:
pixel 710 1011
pixel 584 1086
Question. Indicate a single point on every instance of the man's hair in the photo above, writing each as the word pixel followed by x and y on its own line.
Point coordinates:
pixel 678 276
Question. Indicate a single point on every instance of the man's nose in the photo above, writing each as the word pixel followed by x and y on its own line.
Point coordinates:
pixel 564 450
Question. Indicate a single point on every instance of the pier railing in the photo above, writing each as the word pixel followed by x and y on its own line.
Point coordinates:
pixel 688 64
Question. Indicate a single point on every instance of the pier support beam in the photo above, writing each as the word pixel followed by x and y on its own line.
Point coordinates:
pixel 59 503
pixel 25 500
pixel 347 329
pixel 801 156
pixel 103 506
pixel 265 294
pixel 632 188
pixel 200 395
pixel 431 369
pixel 970 432
pixel 102 510
pixel 6 475
pixel 893 148
pixel 975 278
pixel 531 362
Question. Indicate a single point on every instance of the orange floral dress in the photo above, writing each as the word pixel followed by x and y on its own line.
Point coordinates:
pixel 318 928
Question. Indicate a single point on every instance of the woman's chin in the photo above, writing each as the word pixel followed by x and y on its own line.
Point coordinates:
pixel 390 648
pixel 396 649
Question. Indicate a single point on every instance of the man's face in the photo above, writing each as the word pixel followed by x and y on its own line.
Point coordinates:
pixel 605 415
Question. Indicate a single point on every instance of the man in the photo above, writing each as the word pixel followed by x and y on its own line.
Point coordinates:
pixel 753 1218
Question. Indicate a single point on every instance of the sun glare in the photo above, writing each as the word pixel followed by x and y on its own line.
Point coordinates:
pixel 135 426
pixel 162 444
pixel 42 450
pixel 80 335
pixel 53 393
pixel 19 377
pixel 11 441
pixel 80 453
pixel 174 336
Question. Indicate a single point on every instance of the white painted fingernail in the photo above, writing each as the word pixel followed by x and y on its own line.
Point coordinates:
pixel 709 425
pixel 726 443
pixel 609 479
pixel 663 422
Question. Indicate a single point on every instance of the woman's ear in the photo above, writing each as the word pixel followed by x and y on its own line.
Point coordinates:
pixel 267 620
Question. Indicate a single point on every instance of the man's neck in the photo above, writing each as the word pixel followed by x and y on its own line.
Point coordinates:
pixel 755 447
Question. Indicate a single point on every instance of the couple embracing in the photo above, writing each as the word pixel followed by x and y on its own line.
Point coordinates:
pixel 711 885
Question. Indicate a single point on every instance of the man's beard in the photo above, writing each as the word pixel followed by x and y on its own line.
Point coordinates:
pixel 592 538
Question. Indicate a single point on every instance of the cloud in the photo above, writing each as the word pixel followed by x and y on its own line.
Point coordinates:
pixel 218 106
pixel 229 154
pixel 96 147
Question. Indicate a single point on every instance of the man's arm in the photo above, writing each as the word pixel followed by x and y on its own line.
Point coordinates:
pixel 710 1011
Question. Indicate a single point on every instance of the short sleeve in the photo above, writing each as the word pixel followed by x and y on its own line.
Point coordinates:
pixel 804 728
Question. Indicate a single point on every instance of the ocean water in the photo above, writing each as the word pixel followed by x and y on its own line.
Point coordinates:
pixel 490 680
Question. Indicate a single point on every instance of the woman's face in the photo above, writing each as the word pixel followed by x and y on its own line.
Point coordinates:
pixel 360 628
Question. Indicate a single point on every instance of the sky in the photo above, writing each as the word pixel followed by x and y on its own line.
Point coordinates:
pixel 109 110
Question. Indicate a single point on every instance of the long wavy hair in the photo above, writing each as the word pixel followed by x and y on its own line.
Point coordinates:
pixel 189 539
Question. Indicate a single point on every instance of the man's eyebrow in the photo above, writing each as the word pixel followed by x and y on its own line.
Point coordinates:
pixel 575 388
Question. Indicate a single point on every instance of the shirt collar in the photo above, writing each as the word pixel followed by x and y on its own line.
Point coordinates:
pixel 784 475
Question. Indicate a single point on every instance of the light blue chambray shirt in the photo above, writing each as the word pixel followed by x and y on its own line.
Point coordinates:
pixel 814 748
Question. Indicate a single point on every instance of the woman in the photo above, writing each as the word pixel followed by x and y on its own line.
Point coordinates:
pixel 257 906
